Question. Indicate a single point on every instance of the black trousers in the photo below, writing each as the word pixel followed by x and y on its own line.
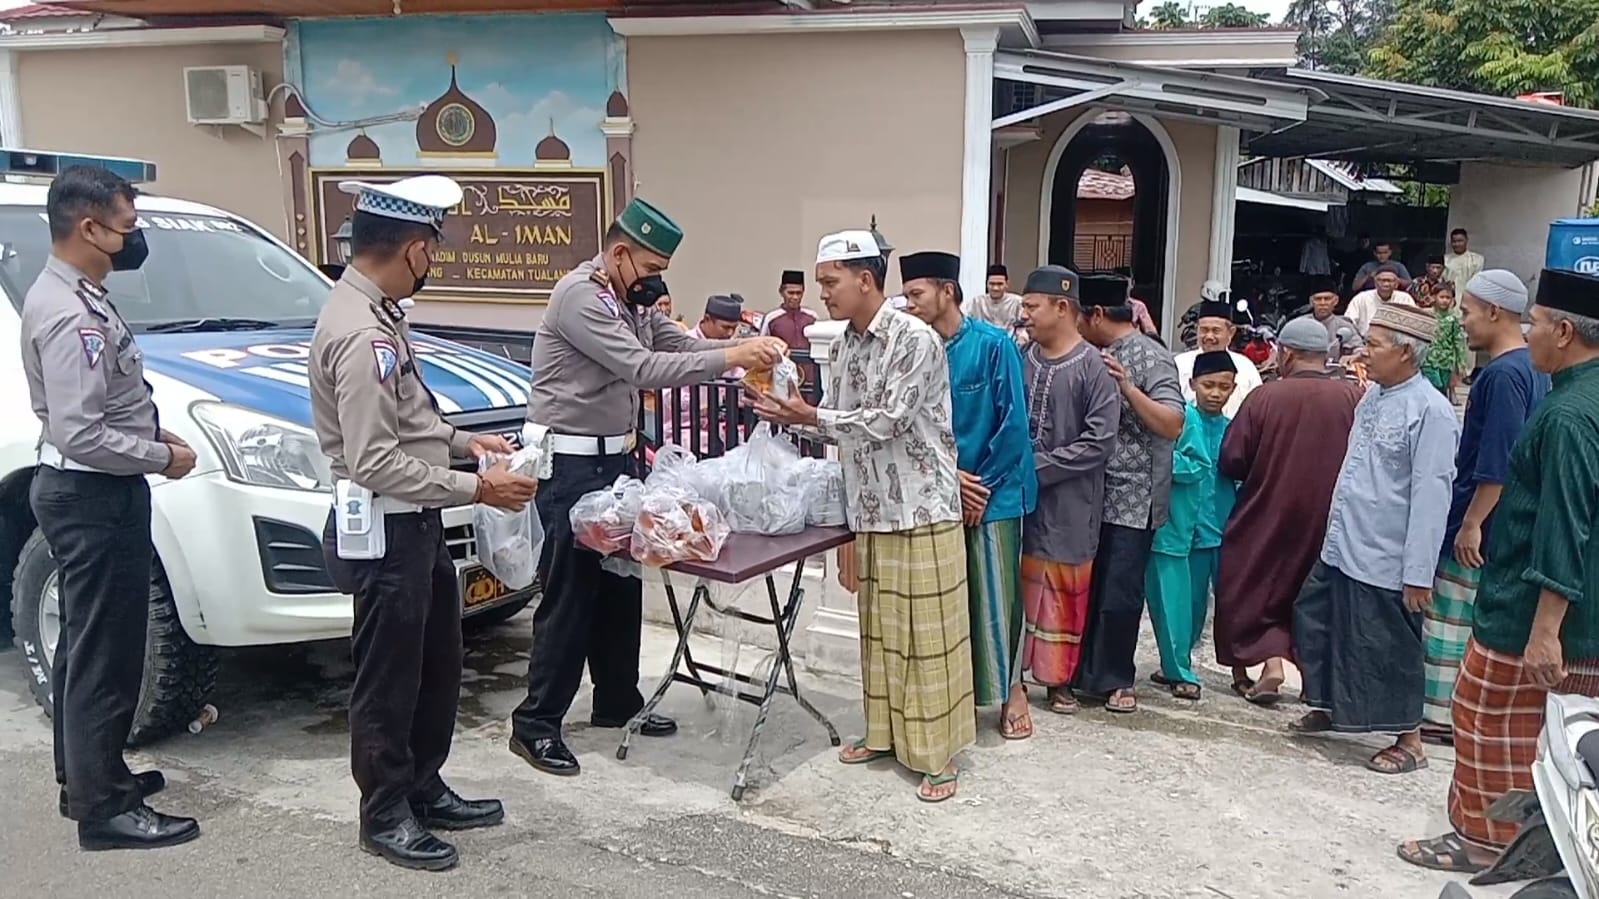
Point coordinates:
pixel 407 651
pixel 1115 610
pixel 587 614
pixel 98 528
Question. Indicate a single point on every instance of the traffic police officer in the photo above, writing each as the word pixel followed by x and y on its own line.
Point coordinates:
pixel 390 451
pixel 601 341
pixel 100 439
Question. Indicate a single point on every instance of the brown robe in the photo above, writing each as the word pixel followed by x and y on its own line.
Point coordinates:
pixel 1284 448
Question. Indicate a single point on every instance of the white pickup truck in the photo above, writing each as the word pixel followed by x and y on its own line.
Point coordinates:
pixel 223 312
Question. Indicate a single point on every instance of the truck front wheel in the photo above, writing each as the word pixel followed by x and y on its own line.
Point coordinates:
pixel 178 673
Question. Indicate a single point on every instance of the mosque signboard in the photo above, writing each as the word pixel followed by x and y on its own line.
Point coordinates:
pixel 514 235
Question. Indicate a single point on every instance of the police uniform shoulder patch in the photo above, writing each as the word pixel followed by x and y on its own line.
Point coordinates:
pixel 93 345
pixel 386 356
pixel 609 299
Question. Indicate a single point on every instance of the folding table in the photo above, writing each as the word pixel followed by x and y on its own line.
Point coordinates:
pixel 744 557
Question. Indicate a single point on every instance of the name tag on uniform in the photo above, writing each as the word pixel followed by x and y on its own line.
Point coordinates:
pixel 358 527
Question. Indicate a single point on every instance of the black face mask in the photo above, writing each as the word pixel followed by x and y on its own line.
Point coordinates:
pixel 422 279
pixel 645 291
pixel 133 253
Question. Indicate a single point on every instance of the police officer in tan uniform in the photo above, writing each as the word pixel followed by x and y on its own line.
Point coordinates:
pixel 390 450
pixel 600 343
pixel 100 439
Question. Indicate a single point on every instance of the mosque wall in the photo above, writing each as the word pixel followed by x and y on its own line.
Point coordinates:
pixel 528 112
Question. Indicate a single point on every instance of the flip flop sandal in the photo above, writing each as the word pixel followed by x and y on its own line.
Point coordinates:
pixel 1264 698
pixel 1186 691
pixel 871 755
pixel 1243 685
pixel 1322 724
pixel 1161 680
pixel 1126 705
pixel 1447 853
pixel 1437 735
pixel 1406 761
pixel 1019 727
pixel 1062 702
pixel 937 780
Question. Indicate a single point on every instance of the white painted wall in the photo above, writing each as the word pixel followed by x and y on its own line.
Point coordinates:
pixel 1508 209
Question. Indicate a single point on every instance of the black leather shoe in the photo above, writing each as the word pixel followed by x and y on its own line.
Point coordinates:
pixel 138 828
pixel 410 845
pixel 150 783
pixel 653 726
pixel 548 754
pixel 451 812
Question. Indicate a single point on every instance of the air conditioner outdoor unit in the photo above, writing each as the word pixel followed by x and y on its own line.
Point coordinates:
pixel 224 95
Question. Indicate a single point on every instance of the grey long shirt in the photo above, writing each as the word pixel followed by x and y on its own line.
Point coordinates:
pixel 1391 504
pixel 593 352
pixel 85 376
pixel 1073 407
pixel 1138 476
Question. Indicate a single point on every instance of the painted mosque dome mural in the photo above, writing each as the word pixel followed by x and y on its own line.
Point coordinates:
pixel 552 152
pixel 455 125
pixel 616 106
pixel 363 151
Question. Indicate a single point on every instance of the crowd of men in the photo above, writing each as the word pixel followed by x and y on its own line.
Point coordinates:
pixel 1020 491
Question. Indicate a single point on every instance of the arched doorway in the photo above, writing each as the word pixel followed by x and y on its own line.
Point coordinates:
pixel 1078 234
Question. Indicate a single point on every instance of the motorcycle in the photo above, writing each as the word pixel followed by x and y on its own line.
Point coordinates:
pixel 1557 848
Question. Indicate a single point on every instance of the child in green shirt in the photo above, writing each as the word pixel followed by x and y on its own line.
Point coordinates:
pixel 1447 356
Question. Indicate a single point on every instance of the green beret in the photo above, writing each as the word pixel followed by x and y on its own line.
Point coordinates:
pixel 650 228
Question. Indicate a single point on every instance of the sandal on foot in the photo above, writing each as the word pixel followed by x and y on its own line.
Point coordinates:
pixel 1122 702
pixel 931 781
pixel 1016 727
pixel 857 753
pixel 1062 702
pixel 1311 723
pixel 1243 685
pixel 1399 760
pixel 1185 690
pixel 1264 692
pixel 1161 680
pixel 1438 734
pixel 1447 853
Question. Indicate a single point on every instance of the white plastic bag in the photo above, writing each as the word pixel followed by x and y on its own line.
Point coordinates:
pixel 822 481
pixel 675 525
pixel 759 493
pixel 509 543
pixel 603 520
pixel 672 467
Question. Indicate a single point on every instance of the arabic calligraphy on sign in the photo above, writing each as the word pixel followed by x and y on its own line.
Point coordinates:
pixel 513 236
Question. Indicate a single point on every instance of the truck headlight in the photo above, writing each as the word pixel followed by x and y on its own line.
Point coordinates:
pixel 264 451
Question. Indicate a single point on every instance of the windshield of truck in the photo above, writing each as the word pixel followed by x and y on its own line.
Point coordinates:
pixel 204 273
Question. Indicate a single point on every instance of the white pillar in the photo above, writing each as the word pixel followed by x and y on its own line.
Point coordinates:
pixel 10 101
pixel 832 641
pixel 1224 203
pixel 977 162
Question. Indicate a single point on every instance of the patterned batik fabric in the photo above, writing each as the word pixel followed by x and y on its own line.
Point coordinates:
pixel 916 653
pixel 1447 629
pixel 1498 715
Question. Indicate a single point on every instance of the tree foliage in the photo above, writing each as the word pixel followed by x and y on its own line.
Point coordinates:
pixel 1170 14
pixel 1336 34
pixel 1231 15
pixel 1504 47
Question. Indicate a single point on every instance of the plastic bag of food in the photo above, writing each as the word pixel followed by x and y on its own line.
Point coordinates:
pixel 822 481
pixel 677 526
pixel 781 380
pixel 759 493
pixel 509 543
pixel 603 520
pixel 672 468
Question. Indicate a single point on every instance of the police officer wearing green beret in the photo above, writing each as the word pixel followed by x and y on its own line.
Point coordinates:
pixel 600 343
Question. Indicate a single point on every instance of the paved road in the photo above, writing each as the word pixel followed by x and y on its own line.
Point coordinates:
pixel 1179 801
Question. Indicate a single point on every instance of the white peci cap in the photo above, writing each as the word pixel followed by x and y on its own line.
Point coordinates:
pixel 844 245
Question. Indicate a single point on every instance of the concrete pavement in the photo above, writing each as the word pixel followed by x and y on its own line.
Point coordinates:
pixel 1181 800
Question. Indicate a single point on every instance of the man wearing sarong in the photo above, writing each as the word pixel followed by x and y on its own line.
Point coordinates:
pixel 1073 408
pixel 888 409
pixel 998 484
pixel 1137 488
pixel 1536 620
pixel 1216 328
pixel 1358 619
pixel 1284 449
pixel 1182 563
pixel 1502 398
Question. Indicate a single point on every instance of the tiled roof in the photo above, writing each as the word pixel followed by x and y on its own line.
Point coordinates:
pixel 40 11
pixel 1098 185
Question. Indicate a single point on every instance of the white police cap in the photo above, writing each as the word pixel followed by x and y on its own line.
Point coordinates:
pixel 423 199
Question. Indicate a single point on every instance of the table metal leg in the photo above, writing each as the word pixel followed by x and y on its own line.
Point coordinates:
pixel 683 629
pixel 700 591
pixel 785 631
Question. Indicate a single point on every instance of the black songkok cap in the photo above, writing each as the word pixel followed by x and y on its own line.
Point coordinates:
pixel 942 266
pixel 1216 310
pixel 1435 260
pixel 1569 291
pixel 1321 284
pixel 1052 281
pixel 1103 290
pixel 724 308
pixel 1212 362
pixel 793 277
pixel 1000 270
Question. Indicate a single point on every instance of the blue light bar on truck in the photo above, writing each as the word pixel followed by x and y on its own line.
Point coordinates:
pixel 37 164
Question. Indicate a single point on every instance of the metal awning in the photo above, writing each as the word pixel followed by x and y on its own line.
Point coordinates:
pixel 1366 120
pixel 1065 81
pixel 1267 198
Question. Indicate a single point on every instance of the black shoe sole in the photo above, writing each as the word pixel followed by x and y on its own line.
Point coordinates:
pixel 449 824
pixel 442 864
pixel 526 755
pixel 110 845
pixel 643 731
